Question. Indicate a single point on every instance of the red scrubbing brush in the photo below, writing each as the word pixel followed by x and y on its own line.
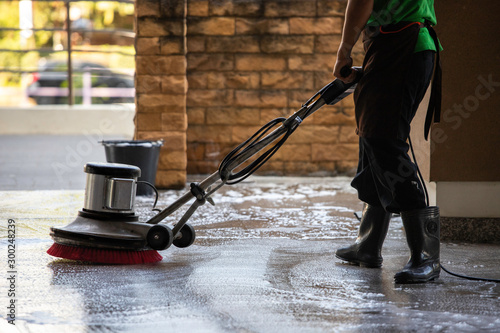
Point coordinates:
pixel 104 256
pixel 109 242
pixel 107 230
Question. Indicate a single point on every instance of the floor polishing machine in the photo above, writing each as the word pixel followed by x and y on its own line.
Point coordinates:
pixel 109 222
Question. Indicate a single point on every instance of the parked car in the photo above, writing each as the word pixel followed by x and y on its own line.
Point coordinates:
pixel 50 84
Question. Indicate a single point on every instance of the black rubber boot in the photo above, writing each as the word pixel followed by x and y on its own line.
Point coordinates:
pixel 422 235
pixel 366 251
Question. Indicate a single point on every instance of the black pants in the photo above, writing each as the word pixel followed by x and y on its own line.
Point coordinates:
pixel 386 176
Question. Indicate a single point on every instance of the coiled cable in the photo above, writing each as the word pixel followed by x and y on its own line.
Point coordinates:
pixel 245 148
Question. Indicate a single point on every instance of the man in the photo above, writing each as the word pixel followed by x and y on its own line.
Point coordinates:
pixel 400 48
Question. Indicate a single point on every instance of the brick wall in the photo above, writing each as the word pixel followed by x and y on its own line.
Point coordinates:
pixel 246 62
pixel 161 85
pixel 251 61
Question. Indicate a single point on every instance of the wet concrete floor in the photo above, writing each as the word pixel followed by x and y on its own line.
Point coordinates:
pixel 263 261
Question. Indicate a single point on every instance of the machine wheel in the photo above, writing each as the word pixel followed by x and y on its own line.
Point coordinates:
pixel 187 236
pixel 160 237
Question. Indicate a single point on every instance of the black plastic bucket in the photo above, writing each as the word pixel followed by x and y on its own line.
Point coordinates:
pixel 141 153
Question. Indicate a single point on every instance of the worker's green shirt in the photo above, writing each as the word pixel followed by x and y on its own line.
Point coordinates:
pixel 394 11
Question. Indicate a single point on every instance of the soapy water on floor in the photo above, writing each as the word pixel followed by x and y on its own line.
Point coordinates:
pixel 263 261
pixel 275 210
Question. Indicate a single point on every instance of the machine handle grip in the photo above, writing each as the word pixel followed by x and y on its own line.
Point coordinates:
pixel 335 89
pixel 346 71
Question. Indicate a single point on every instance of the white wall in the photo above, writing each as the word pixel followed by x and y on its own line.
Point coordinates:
pixel 107 120
pixel 468 199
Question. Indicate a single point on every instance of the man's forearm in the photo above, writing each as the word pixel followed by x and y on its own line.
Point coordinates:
pixel 357 14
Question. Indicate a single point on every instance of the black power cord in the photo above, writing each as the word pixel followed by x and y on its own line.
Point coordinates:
pixel 154 189
pixel 470 277
pixel 427 202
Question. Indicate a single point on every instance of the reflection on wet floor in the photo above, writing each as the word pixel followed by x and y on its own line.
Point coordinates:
pixel 263 261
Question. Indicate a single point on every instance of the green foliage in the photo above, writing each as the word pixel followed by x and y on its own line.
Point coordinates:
pixel 9 18
pixel 52 15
